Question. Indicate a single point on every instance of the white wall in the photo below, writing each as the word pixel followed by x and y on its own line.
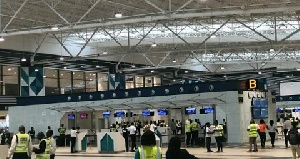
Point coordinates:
pixel 288 88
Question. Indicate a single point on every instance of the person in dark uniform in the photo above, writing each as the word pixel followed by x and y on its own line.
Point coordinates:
pixel 125 135
pixel 32 133
pixel 62 135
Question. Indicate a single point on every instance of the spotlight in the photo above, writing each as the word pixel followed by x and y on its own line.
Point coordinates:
pixel 61 58
pixel 36 70
pixel 1 38
pixel 105 52
pixel 272 50
pixel 174 61
pixel 55 27
pixel 154 45
pixel 259 73
pixel 23 59
pixel 213 36
pixel 97 66
pixel 118 15
pixel 222 68
pixel 152 71
pixel 65 67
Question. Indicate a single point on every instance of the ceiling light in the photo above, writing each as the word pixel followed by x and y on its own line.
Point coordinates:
pixel 44 76
pixel 224 76
pixel 298 69
pixel 55 27
pixel 174 80
pixel 36 70
pixel 105 52
pixel 61 58
pixel 1 38
pixel 186 71
pixel 152 71
pixel 259 73
pixel 118 15
pixel 97 66
pixel 263 63
pixel 81 66
pixel 9 69
pixel 133 66
pixel 287 76
pixel 213 36
pixel 174 61
pixel 222 67
pixel 65 67
pixel 194 75
pixel 23 59
pixel 154 45
pixel 272 50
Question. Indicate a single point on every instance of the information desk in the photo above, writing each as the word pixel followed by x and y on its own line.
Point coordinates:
pixel 110 142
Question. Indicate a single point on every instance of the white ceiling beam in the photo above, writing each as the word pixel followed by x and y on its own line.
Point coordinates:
pixel 154 18
pixel 64 19
pixel 184 5
pixel 155 6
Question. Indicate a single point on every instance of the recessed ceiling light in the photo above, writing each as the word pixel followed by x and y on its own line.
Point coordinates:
pixel 186 71
pixel 61 58
pixel 36 70
pixel 105 52
pixel 174 60
pixel 154 45
pixel 263 63
pixel 225 76
pixel 97 66
pixel 44 76
pixel 65 67
pixel 152 71
pixel 259 73
pixel 174 80
pixel 133 66
pixel 213 36
pixel 61 74
pixel 55 27
pixel 118 15
pixel 298 69
pixel 1 38
pixel 287 76
pixel 222 67
pixel 9 69
pixel 23 59
pixel 272 50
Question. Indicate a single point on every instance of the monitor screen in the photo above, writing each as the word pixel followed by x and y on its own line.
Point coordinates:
pixel 297 110
pixel 279 110
pixel 106 114
pixel 162 112
pixel 71 116
pixel 190 110
pixel 83 115
pixel 119 114
pixel 264 102
pixel 146 112
pixel 264 113
pixel 256 102
pixel 256 113
pixel 208 110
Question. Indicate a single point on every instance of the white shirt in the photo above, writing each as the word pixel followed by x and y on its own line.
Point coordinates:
pixel 287 125
pixel 132 130
pixel 14 144
pixel 73 133
pixel 272 128
pixel 152 127
pixel 209 130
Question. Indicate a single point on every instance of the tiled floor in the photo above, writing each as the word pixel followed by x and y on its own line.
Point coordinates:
pixel 279 152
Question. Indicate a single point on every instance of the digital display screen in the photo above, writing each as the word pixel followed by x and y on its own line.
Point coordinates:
pixel 162 112
pixel 119 114
pixel 297 110
pixel 256 113
pixel 279 111
pixel 106 114
pixel 208 110
pixel 263 102
pixel 146 112
pixel 71 116
pixel 190 110
pixel 256 102
pixel 83 115
pixel 264 112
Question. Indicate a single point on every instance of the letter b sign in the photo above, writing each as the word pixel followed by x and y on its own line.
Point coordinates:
pixel 252 84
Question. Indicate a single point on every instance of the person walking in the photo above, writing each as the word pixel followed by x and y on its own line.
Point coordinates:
pixel 188 131
pixel 62 135
pixel 272 132
pixel 253 132
pixel 132 134
pixel 209 132
pixel 286 127
pixel 218 132
pixel 73 139
pixel 173 127
pixel 262 133
pixel 125 135
pixel 21 145
pixel 43 152
pixel 148 147
pixel 194 129
pixel 49 136
pixel 175 152
pixel 294 138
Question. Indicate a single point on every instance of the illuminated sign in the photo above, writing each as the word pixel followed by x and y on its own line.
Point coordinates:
pixel 252 84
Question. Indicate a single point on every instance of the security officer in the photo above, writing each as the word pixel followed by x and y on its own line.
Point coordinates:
pixel 194 128
pixel 21 146
pixel 113 128
pixel 148 149
pixel 253 132
pixel 43 152
pixel 49 136
pixel 62 135
pixel 188 131
pixel 125 135
pixel 219 135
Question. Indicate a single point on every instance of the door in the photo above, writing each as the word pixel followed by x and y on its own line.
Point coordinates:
pixel 101 124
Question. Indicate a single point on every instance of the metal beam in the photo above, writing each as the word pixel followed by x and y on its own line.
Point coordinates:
pixel 149 60
pixel 164 58
pixel 112 37
pixel 184 5
pixel 12 18
pixel 155 6
pixel 159 17
pixel 86 13
pixel 258 33
pixel 145 35
pixel 39 45
pixel 55 11
pixel 88 40
pixel 60 42
pixel 292 34
pixel 176 34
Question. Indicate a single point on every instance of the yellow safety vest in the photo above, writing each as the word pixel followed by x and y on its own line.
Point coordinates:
pixel 149 152
pixel 62 130
pixel 194 126
pixel 113 130
pixel 188 128
pixel 253 130
pixel 46 154
pixel 219 131
pixel 22 143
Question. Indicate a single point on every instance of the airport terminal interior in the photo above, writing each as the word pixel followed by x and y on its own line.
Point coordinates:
pixel 98 75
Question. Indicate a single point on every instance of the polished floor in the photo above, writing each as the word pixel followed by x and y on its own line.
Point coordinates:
pixel 279 152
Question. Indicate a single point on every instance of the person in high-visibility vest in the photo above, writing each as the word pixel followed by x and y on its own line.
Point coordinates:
pixel 194 129
pixel 218 133
pixel 62 135
pixel 113 128
pixel 148 149
pixel 253 133
pixel 49 136
pixel 188 131
pixel 21 146
pixel 43 152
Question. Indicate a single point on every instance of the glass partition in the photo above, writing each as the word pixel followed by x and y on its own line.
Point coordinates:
pixel 11 85
pixel 91 82
pixel 51 82
pixel 148 82
pixel 78 82
pixel 157 81
pixel 65 82
pixel 129 82
pixel 102 82
pixel 139 82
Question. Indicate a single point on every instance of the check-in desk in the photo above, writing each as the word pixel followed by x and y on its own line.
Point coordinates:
pixel 166 134
pixel 81 142
pixel 110 142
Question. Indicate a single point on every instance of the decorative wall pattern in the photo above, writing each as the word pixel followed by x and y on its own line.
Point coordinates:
pixel 32 81
pixel 116 81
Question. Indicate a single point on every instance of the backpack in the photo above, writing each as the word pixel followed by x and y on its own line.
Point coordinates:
pixel 294 137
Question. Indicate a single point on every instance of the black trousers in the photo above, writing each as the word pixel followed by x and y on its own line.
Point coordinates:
pixel 262 136
pixel 20 156
pixel 219 143
pixel 126 142
pixel 286 137
pixel 174 132
pixel 62 140
pixel 73 142
pixel 272 135
pixel 188 138
pixel 194 137
pixel 133 142
pixel 208 143
pixel 52 156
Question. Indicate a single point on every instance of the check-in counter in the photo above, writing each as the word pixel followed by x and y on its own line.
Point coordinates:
pixel 166 134
pixel 110 142
pixel 81 142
